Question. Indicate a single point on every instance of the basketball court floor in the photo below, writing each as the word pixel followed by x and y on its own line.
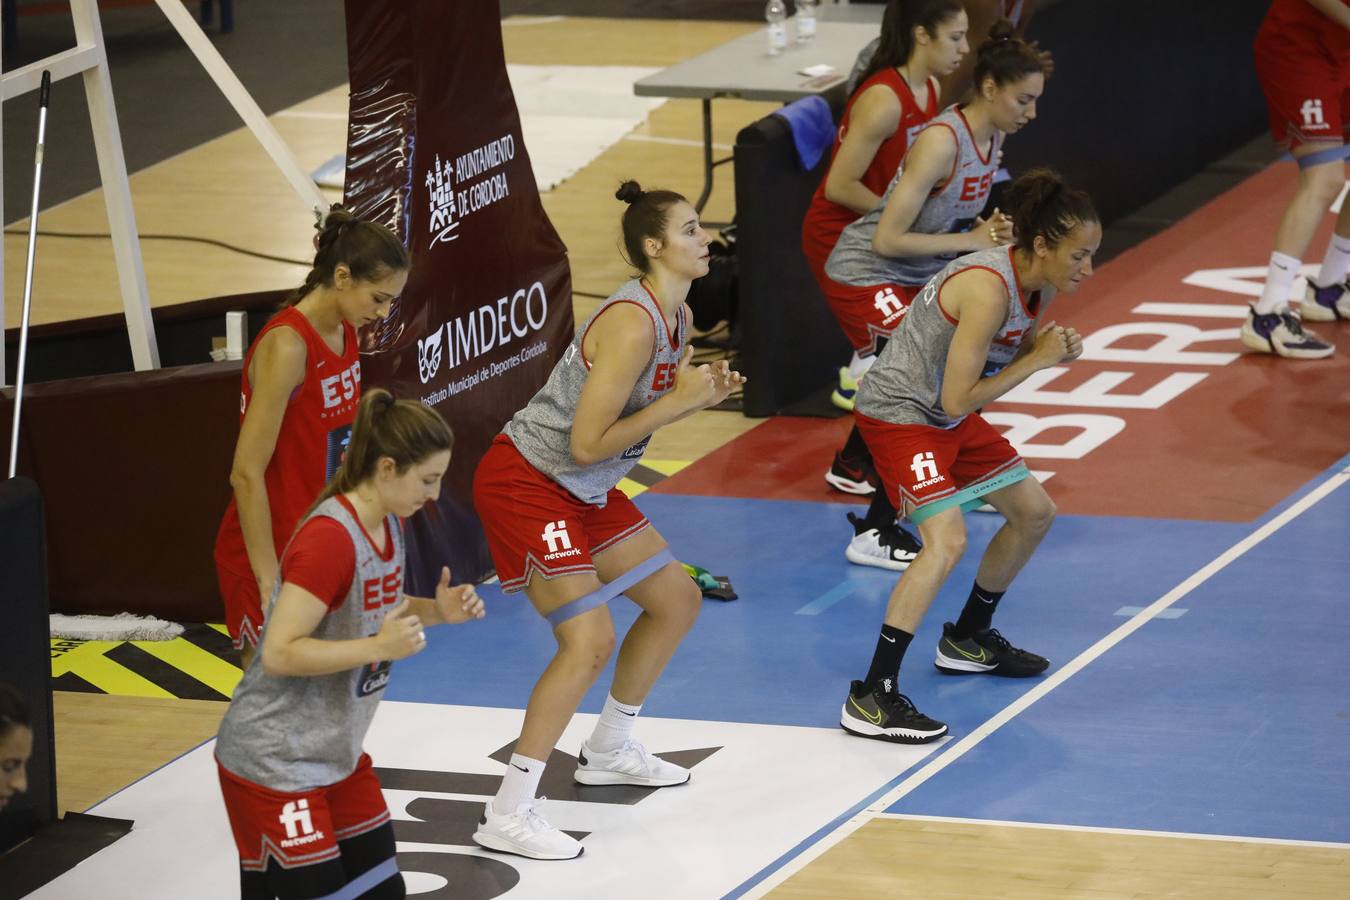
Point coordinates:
pixel 1192 737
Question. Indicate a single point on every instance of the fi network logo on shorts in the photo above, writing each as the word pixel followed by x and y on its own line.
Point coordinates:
pixel 889 305
pixel 1311 111
pixel 558 540
pixel 429 356
pixel 299 827
pixel 925 470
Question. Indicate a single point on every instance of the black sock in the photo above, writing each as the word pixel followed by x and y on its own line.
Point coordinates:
pixel 891 648
pixel 880 513
pixel 978 613
pixel 855 449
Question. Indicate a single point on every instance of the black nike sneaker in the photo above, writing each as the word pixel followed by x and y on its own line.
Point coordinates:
pixel 986 652
pixel 884 713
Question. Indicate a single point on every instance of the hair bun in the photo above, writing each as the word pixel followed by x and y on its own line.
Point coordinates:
pixel 1002 30
pixel 629 192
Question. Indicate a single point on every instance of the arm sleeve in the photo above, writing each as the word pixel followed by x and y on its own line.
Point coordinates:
pixel 321 560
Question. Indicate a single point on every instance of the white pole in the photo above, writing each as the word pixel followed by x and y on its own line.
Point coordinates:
pixel 28 273
pixel 243 103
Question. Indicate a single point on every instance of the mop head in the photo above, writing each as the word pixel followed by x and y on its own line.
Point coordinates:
pixel 121 627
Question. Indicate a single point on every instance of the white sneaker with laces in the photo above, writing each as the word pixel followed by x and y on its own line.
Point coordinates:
pixel 525 832
pixel 885 548
pixel 629 764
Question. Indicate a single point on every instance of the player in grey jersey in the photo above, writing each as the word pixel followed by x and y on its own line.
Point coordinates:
pixel 976 331
pixel 560 530
pixel 928 216
pixel 304 804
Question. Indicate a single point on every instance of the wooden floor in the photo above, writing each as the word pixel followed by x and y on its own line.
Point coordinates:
pixel 228 190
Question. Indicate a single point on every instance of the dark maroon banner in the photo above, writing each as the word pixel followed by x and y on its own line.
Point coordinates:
pixel 434 151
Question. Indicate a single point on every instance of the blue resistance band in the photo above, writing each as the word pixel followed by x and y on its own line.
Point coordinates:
pixel 364 882
pixel 1331 154
pixel 607 592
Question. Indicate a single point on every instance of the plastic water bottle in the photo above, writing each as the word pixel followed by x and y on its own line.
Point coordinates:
pixel 775 13
pixel 806 20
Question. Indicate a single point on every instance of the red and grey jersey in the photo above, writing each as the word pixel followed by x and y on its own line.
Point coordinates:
pixel 296 733
pixel 904 386
pixel 951 207
pixel 314 433
pixel 542 431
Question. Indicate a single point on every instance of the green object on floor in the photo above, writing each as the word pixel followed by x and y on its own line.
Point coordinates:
pixel 714 587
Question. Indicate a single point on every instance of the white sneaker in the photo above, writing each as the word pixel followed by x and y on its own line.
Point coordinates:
pixel 629 764
pixel 525 832
pixel 1282 334
pixel 1325 304
pixel 891 547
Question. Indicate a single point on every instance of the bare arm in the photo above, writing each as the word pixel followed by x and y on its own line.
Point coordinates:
pixel 1334 10
pixel 979 301
pixel 928 162
pixel 277 369
pixel 619 348
pixel 289 649
pixel 874 118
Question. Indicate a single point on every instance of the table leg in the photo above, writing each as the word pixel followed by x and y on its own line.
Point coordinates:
pixel 707 156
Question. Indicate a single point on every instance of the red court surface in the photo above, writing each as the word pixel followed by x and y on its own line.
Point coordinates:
pixel 1166 415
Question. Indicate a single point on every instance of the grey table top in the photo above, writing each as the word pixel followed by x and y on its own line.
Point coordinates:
pixel 743 68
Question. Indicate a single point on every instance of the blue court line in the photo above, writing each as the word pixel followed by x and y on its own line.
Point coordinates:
pixel 826 600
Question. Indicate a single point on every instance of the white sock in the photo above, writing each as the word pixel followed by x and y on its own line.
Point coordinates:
pixel 520 783
pixel 1336 263
pixel 858 366
pixel 614 727
pixel 1279 279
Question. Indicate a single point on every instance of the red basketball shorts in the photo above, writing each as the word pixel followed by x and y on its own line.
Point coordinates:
pixel 243 608
pixel 868 313
pixel 926 470
pixel 534 526
pixel 1307 93
pixel 300 829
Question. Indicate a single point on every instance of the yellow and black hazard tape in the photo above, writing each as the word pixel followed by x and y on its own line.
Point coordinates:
pixel 201 664
pixel 648 473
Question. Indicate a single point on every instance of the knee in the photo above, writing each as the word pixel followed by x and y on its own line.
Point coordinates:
pixel 1038 517
pixel 1322 183
pixel 688 604
pixel 945 547
pixel 587 647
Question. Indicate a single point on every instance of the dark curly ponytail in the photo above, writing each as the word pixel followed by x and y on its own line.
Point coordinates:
pixel 1041 203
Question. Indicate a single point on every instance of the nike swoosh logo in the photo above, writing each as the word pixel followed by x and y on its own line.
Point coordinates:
pixel 627 713
pixel 875 720
pixel 983 657
pixel 891 639
pixel 521 768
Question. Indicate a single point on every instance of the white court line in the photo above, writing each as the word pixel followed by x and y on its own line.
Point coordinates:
pixel 960 748
pixel 311 114
pixel 682 142
pixel 1128 832
pixel 526 21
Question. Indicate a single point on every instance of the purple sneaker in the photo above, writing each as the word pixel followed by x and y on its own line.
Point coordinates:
pixel 1325 304
pixel 1282 333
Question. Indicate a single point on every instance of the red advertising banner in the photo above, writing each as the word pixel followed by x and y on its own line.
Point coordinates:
pixel 434 151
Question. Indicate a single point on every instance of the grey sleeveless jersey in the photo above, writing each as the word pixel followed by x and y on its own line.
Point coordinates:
pixel 951 208
pixel 542 431
pixel 296 733
pixel 904 386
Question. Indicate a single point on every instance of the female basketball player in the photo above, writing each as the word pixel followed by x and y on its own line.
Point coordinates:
pixel 1303 64
pixel 921 41
pixel 16 744
pixel 302 380
pixel 929 215
pixel 977 330
pixel 305 806
pixel 560 530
